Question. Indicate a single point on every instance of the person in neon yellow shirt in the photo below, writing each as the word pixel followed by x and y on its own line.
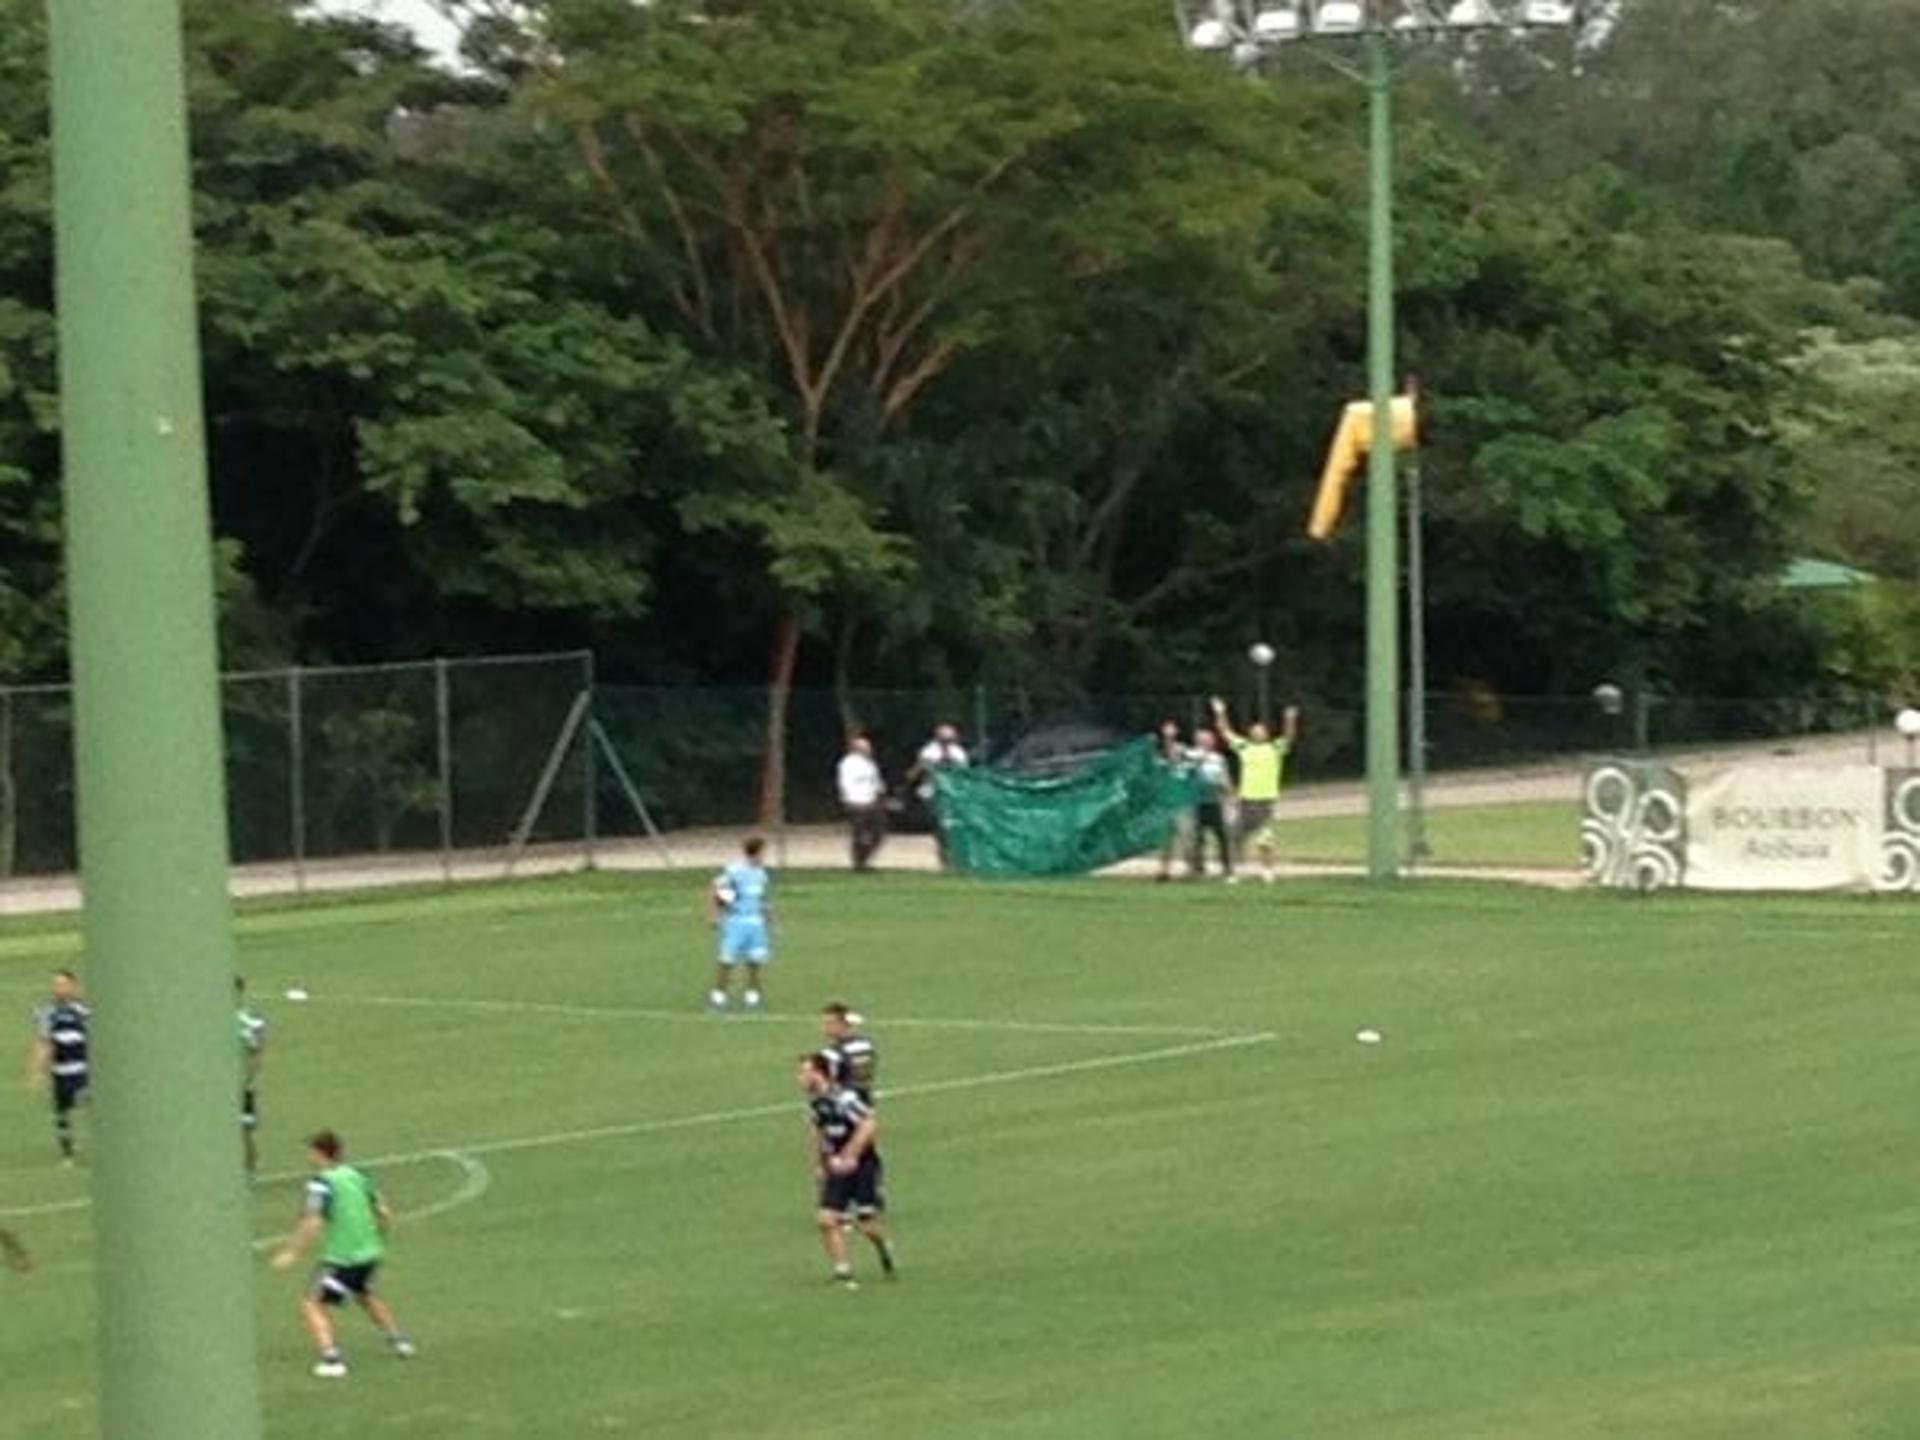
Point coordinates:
pixel 1263 765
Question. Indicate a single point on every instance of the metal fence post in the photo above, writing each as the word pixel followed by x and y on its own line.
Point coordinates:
pixel 297 781
pixel 9 794
pixel 589 773
pixel 443 741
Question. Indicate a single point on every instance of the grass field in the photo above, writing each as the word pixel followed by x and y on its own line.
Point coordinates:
pixel 1622 1168
pixel 1543 834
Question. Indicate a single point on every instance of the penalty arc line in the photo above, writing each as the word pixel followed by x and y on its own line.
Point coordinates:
pixel 475 1181
pixel 638 1128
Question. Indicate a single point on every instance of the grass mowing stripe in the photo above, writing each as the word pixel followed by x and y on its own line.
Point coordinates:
pixel 471 1151
pixel 638 1012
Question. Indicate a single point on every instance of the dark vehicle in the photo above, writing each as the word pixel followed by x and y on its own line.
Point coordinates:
pixel 1058 747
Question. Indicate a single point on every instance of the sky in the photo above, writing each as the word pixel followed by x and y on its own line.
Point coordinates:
pixel 420 15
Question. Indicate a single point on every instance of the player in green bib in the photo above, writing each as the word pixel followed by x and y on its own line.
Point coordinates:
pixel 1263 764
pixel 347 1216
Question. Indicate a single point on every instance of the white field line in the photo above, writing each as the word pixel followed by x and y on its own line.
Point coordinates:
pixel 554 1138
pixel 692 1017
pixel 475 1180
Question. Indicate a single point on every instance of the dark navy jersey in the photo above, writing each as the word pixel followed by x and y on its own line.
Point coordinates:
pixel 852 1061
pixel 62 1025
pixel 836 1115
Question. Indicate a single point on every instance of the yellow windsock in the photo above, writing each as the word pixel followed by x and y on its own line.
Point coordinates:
pixel 1351 442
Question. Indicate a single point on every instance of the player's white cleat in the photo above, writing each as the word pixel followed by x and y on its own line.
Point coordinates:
pixel 752 999
pixel 401 1346
pixel 330 1368
pixel 717 1001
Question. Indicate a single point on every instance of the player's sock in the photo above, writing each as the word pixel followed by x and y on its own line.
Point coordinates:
pixel 63 1132
pixel 885 1250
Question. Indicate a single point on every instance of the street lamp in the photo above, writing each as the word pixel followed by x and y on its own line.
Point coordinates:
pixel 1907 722
pixel 1250 32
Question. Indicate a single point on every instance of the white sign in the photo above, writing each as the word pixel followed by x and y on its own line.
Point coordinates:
pixel 1759 827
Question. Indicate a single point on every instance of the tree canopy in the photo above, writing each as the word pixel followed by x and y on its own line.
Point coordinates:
pixel 924 343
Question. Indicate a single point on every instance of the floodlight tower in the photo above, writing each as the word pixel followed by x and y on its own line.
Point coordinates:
pixel 1249 33
pixel 170 1207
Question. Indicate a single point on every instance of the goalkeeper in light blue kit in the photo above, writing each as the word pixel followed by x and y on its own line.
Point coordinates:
pixel 737 905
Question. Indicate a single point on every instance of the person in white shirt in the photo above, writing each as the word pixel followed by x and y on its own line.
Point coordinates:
pixel 863 795
pixel 943 750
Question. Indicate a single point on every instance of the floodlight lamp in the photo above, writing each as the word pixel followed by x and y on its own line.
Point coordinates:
pixel 1210 35
pixel 1260 653
pixel 1339 17
pixel 1277 25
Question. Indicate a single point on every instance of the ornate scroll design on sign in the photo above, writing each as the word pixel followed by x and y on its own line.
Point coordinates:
pixel 1900 845
pixel 1633 835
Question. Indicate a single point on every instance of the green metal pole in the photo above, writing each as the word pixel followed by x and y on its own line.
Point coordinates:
pixel 173 1269
pixel 1383 509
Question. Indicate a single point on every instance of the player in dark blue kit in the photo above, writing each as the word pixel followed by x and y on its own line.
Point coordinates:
pixel 851 1058
pixel 846 1162
pixel 60 1055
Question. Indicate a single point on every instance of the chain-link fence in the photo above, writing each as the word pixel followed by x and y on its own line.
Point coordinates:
pixel 479 761
pixel 696 754
pixel 419 761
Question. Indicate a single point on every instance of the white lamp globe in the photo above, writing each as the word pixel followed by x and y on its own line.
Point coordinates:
pixel 1907 722
pixel 1260 653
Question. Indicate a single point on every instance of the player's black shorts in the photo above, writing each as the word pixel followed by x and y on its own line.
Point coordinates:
pixel 858 1193
pixel 336 1284
pixel 249 1109
pixel 68 1092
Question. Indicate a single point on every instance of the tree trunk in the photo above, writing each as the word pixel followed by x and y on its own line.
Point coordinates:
pixel 843 680
pixel 773 772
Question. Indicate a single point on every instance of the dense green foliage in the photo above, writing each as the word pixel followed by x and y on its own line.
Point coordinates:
pixel 1611 1173
pixel 918 343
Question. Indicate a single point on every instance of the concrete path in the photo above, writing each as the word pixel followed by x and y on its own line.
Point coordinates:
pixel 694 852
pixel 824 847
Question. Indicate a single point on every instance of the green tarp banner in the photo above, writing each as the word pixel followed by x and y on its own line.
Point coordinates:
pixel 1118 804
